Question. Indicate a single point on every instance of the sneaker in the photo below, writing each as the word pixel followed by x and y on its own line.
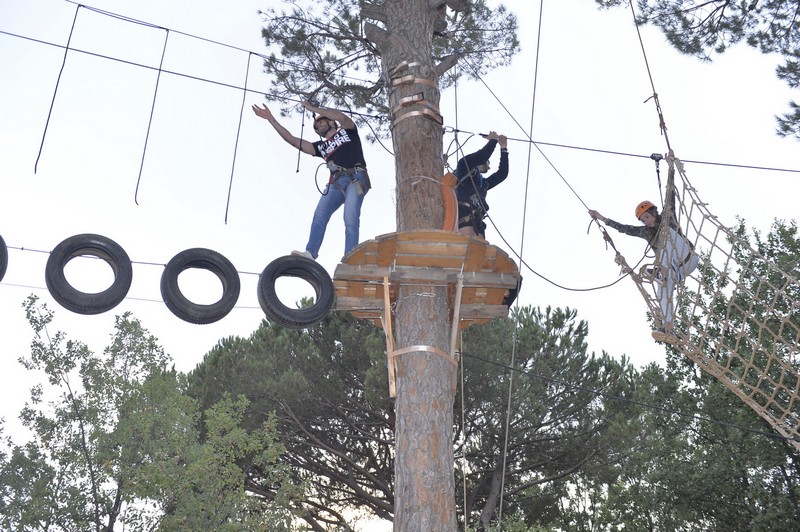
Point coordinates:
pixel 305 254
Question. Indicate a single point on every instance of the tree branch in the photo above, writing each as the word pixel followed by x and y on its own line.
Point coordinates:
pixel 447 62
pixel 371 11
pixel 376 34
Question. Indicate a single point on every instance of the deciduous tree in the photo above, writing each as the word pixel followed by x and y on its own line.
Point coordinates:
pixel 115 443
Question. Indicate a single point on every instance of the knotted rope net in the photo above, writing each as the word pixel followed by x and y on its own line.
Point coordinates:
pixel 725 306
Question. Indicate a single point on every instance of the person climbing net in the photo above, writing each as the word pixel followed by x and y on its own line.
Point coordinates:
pixel 733 311
pixel 675 257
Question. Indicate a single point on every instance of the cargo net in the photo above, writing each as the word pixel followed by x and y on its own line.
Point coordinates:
pixel 725 306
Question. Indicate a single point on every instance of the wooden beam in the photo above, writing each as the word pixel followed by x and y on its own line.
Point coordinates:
pixel 411 275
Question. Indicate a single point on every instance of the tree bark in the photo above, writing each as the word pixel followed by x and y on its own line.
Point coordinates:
pixel 424 478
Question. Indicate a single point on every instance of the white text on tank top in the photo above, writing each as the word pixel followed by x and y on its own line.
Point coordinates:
pixel 329 146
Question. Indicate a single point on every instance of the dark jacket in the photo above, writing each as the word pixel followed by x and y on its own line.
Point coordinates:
pixel 471 181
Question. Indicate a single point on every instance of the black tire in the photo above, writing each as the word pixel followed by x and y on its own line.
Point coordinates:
pixel 96 246
pixel 3 258
pixel 305 269
pixel 205 259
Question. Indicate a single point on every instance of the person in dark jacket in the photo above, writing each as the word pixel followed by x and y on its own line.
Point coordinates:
pixel 473 185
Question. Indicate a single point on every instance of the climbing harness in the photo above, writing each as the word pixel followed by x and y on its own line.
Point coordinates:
pixel 338 171
pixel 474 206
pixel 475 216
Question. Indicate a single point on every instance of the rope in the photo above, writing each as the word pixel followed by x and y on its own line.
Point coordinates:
pixel 55 90
pixel 300 144
pixel 662 124
pixel 721 303
pixel 463 438
pixel 449 129
pixel 150 120
pixel 736 315
pixel 521 249
pixel 365 117
pixel 238 131
pixel 476 73
pixel 461 360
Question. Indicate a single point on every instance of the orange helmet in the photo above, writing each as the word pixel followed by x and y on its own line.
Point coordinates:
pixel 643 207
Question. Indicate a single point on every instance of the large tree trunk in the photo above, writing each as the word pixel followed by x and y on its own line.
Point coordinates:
pixel 424 482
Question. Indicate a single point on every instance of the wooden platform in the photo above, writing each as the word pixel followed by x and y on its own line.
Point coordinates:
pixel 428 258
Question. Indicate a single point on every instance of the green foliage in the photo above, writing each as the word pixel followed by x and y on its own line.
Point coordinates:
pixel 592 443
pixel 703 28
pixel 703 459
pixel 327 386
pixel 700 471
pixel 205 487
pixel 320 49
pixel 115 443
pixel 26 481
pixel 561 421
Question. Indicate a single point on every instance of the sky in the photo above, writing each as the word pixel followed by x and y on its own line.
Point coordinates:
pixel 592 91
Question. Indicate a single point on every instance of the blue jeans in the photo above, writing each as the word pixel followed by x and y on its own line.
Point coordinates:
pixel 341 192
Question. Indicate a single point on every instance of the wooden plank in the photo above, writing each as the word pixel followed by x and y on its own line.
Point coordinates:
pixel 417 261
pixel 495 297
pixel 372 291
pixel 431 249
pixel 396 246
pixel 473 258
pixel 387 250
pixel 361 291
pixel 505 265
pixel 357 303
pixel 409 275
pixel 430 236
pixel 480 295
pixel 469 312
pixel 387 326
pixel 490 312
pixel 426 258
pixel 360 253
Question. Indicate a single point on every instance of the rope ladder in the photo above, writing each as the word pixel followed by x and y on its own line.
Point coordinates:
pixel 736 315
